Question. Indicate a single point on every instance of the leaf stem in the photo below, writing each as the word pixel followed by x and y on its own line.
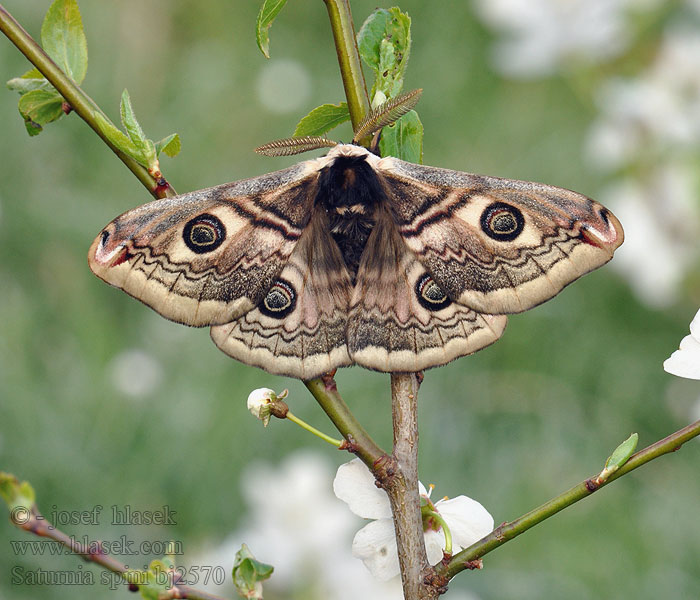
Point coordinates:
pixel 78 100
pixel 508 531
pixel 349 61
pixel 304 425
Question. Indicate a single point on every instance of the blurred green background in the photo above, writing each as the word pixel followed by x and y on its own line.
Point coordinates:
pixel 104 402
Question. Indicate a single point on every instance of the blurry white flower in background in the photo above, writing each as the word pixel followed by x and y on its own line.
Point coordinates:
pixel 654 113
pixel 661 217
pixel 539 35
pixel 284 85
pixel 135 373
pixel 375 543
pixel 296 524
pixel 685 362
pixel 650 126
pixel 646 137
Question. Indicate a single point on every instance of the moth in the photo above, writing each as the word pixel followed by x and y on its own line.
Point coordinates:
pixel 355 259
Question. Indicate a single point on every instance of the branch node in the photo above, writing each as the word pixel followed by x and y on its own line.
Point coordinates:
pixel 592 485
pixel 329 381
pixel 349 444
pixel 475 564
pixel 386 471
pixel 437 582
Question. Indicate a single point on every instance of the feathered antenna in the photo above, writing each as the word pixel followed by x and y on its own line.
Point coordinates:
pixel 295 145
pixel 387 113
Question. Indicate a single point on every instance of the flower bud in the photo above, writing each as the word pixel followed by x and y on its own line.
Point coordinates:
pixel 259 403
pixel 264 402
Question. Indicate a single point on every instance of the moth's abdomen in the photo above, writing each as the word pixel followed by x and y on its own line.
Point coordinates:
pixel 349 191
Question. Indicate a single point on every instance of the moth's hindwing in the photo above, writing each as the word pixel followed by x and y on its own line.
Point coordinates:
pixel 400 319
pixel 497 245
pixel 299 328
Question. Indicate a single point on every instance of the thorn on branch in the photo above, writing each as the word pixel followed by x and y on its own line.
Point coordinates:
pixel 66 108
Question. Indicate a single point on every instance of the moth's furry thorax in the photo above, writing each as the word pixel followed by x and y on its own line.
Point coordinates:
pixel 350 191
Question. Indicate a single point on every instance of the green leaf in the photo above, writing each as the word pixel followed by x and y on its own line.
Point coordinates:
pixel 322 119
pixel 154 583
pixel 371 35
pixel 270 9
pixel 16 494
pixel 404 139
pixel 384 42
pixel 249 573
pixel 622 453
pixel 133 129
pixel 39 107
pixel 120 140
pixel 25 84
pixel 171 145
pixel 31 80
pixel 33 74
pixel 63 38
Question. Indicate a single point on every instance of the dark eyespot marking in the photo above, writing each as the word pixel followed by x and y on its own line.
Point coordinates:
pixel 430 294
pixel 502 222
pixel 204 233
pixel 280 300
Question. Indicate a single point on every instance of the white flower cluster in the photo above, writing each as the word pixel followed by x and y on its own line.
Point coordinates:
pixel 646 137
pixel 649 127
pixel 296 524
pixel 538 36
pixel 375 543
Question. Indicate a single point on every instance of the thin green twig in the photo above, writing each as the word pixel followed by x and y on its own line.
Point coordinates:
pixel 508 531
pixel 40 526
pixel 349 62
pixel 78 100
pixel 360 442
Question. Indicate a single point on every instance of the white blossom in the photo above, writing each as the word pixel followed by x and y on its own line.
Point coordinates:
pixel 685 362
pixel 295 523
pixel 375 543
pixel 259 404
pixel 539 35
